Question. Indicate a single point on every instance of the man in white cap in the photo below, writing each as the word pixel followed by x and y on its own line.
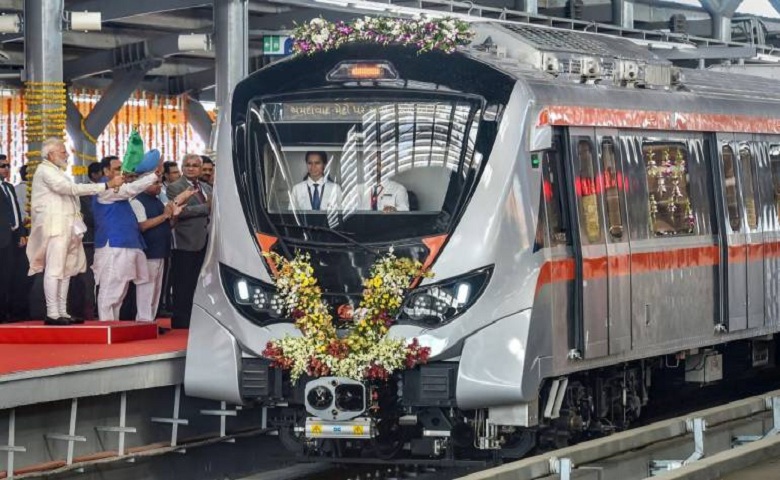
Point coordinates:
pixel 54 245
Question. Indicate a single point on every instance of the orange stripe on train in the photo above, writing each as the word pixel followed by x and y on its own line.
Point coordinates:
pixel 621 265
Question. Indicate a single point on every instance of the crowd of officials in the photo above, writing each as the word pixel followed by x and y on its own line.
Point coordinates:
pixel 125 246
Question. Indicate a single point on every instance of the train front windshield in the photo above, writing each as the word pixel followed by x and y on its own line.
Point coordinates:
pixel 374 169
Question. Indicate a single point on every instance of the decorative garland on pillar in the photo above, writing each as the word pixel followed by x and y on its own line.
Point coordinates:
pixel 45 118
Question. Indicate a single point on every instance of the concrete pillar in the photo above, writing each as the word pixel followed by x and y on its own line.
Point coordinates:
pixel 231 38
pixel 529 6
pixel 721 27
pixel 623 13
pixel 43 60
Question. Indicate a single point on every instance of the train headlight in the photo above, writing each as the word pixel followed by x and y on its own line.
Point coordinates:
pixel 439 303
pixel 256 300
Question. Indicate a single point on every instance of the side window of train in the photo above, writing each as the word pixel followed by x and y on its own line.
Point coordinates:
pixel 748 164
pixel 588 187
pixel 774 161
pixel 613 181
pixel 552 230
pixel 669 202
pixel 731 189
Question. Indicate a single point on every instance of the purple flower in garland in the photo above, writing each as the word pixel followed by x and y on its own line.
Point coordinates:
pixel 442 34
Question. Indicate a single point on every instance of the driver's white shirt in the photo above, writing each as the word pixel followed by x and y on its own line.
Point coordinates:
pixel 330 194
pixel 391 194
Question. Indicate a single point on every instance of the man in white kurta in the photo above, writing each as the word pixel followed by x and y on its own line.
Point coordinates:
pixel 119 255
pixel 54 246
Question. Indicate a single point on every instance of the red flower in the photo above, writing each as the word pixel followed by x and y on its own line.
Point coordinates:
pixel 416 354
pixel 316 368
pixel 338 349
pixel 275 353
pixel 376 372
pixel 297 313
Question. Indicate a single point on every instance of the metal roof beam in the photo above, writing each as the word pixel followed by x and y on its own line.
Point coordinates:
pixel 721 7
pixel 141 54
pixel 194 82
pixel 116 10
pixel 775 4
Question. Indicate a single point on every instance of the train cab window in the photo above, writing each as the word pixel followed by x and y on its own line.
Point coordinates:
pixel 669 202
pixel 774 160
pixel 369 166
pixel 551 230
pixel 612 184
pixel 588 187
pixel 730 188
pixel 748 189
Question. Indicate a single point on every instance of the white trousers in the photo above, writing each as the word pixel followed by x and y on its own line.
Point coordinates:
pixel 55 290
pixel 147 294
pixel 114 269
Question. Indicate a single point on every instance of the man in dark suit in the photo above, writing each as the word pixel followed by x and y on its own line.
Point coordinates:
pixel 189 239
pixel 13 237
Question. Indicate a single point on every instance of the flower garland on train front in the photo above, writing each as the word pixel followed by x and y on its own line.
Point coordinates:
pixel 366 352
pixel 319 35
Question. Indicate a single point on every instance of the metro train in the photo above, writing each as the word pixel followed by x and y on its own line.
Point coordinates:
pixel 614 217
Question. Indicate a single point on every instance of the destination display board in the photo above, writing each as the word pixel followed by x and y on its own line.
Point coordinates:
pixel 349 111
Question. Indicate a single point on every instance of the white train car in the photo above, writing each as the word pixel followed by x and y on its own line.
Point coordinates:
pixel 591 213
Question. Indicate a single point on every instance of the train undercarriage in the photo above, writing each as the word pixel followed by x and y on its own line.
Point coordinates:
pixel 344 419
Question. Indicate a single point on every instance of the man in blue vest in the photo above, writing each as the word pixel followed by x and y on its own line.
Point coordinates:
pixel 119 246
pixel 154 220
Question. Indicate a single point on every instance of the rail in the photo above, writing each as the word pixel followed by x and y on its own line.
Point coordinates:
pixel 703 444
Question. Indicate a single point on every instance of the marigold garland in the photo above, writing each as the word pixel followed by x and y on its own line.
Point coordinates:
pixel 366 352
pixel 45 118
pixel 319 35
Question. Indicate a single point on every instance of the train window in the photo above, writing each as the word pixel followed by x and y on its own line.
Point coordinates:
pixel 774 160
pixel 666 164
pixel 730 188
pixel 748 189
pixel 612 184
pixel 551 230
pixel 588 188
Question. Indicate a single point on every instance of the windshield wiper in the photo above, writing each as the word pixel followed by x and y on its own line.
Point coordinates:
pixel 341 235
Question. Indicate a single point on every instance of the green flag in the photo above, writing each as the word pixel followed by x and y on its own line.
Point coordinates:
pixel 134 153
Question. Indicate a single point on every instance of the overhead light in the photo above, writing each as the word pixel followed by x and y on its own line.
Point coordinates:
pixel 11 23
pixel 85 21
pixel 194 41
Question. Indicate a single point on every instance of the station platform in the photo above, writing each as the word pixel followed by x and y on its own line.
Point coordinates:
pixel 32 373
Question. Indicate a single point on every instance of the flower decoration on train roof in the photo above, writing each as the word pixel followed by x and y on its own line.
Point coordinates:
pixel 365 352
pixel 445 34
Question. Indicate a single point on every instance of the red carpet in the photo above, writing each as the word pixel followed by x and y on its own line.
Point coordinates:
pixel 86 333
pixel 24 357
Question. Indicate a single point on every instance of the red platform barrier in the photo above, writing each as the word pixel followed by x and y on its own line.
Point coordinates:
pixel 93 333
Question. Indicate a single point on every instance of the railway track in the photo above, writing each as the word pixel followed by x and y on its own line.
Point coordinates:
pixel 718 406
pixel 700 445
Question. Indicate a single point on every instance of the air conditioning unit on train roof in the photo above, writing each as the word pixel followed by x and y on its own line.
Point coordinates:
pixel 590 67
pixel 627 72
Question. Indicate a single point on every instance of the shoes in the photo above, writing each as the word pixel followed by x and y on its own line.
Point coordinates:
pixel 73 320
pixel 61 321
pixel 162 330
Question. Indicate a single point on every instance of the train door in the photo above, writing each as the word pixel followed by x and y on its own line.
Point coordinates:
pixel 770 193
pixel 741 229
pixel 751 164
pixel 586 193
pixel 617 242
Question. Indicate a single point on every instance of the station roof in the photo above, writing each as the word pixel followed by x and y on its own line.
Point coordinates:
pixel 145 33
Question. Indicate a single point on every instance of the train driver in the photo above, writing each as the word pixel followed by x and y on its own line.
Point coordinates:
pixel 387 195
pixel 316 191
